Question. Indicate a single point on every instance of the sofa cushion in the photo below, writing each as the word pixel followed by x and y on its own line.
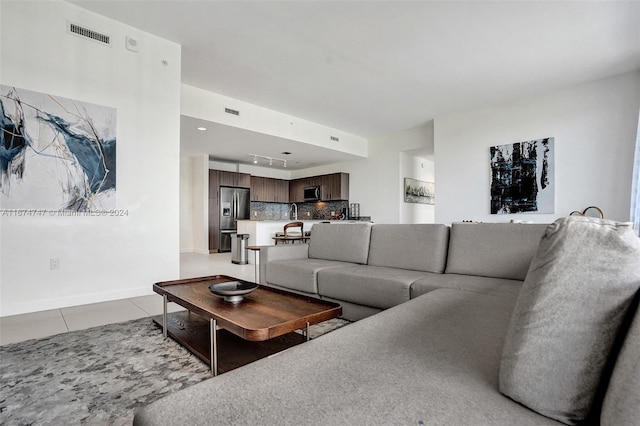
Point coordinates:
pixel 484 285
pixel 622 400
pixel 268 254
pixel 373 286
pixel 571 306
pixel 421 247
pixel 299 274
pixel 343 242
pixel 500 250
pixel 432 360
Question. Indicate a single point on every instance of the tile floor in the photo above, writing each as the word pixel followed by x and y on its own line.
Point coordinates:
pixel 18 328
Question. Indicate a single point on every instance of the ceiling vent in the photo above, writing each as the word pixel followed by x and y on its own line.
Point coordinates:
pixel 231 111
pixel 88 34
pixel 335 138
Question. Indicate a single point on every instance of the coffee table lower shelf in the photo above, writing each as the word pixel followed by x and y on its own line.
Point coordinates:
pixel 192 332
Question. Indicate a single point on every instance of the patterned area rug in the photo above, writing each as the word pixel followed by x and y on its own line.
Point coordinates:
pixel 97 376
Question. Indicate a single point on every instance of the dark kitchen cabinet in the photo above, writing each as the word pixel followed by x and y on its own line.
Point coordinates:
pixel 281 190
pixel 296 187
pixel 242 180
pixel 258 188
pixel 314 181
pixel 269 189
pixel 334 186
pixel 218 178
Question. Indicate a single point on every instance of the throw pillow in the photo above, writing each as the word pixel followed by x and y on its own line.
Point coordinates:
pixel 574 298
pixel 622 400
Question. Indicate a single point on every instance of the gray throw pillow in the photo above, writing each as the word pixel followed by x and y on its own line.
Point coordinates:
pixel 622 401
pixel 574 298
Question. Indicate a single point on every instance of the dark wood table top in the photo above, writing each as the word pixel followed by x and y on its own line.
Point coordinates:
pixel 264 313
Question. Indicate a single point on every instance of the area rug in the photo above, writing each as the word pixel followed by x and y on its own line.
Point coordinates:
pixel 97 376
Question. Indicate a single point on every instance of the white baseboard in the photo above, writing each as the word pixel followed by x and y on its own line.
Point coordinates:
pixel 65 302
pixel 193 250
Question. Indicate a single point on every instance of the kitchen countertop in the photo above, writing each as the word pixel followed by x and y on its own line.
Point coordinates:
pixel 261 232
pixel 306 220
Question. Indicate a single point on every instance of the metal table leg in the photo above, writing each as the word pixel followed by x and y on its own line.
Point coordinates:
pixel 164 315
pixel 306 332
pixel 214 347
pixel 255 260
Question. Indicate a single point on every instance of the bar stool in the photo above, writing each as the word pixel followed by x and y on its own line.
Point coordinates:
pixel 289 236
pixel 294 225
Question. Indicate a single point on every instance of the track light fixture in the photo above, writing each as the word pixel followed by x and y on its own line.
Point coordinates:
pixel 271 159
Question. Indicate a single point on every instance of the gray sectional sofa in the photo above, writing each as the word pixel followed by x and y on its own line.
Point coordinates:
pixel 367 268
pixel 475 324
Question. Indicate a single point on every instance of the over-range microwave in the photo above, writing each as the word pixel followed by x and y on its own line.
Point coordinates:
pixel 312 193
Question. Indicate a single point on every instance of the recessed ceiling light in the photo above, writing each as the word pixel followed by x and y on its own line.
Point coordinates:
pixel 202 128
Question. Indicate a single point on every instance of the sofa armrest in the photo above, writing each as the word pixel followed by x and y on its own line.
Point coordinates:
pixel 281 252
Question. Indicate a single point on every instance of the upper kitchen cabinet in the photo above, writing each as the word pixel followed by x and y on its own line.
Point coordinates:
pixel 296 187
pixel 233 179
pixel 258 188
pixel 281 190
pixel 269 189
pixel 334 186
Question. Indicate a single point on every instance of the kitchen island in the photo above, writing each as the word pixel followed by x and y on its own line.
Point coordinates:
pixel 261 232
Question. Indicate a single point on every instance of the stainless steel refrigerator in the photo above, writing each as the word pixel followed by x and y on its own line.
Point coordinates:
pixel 234 205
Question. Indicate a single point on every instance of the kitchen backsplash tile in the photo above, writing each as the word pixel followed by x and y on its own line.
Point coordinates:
pixel 309 211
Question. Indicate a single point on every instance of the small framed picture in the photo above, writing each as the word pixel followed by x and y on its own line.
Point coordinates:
pixel 419 191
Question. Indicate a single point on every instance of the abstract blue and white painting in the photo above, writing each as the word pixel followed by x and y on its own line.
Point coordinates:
pixel 56 153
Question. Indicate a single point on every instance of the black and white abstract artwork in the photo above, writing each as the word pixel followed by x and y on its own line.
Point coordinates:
pixel 522 177
pixel 56 153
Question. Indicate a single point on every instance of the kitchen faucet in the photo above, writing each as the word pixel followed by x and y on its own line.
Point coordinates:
pixel 294 207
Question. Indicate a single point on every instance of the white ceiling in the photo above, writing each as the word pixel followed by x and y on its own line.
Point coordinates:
pixel 233 144
pixel 373 68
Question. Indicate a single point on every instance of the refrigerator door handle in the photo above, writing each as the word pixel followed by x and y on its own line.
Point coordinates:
pixel 235 205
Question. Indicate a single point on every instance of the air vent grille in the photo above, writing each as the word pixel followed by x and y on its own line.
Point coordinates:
pixel 88 33
pixel 231 111
pixel 335 138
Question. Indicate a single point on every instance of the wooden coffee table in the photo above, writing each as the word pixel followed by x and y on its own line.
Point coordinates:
pixel 266 314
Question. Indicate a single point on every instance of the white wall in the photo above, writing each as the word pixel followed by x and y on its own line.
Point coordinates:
pixel 101 258
pixel 419 168
pixel 186 205
pixel 594 127
pixel 377 182
pixel 194 204
pixel 200 189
